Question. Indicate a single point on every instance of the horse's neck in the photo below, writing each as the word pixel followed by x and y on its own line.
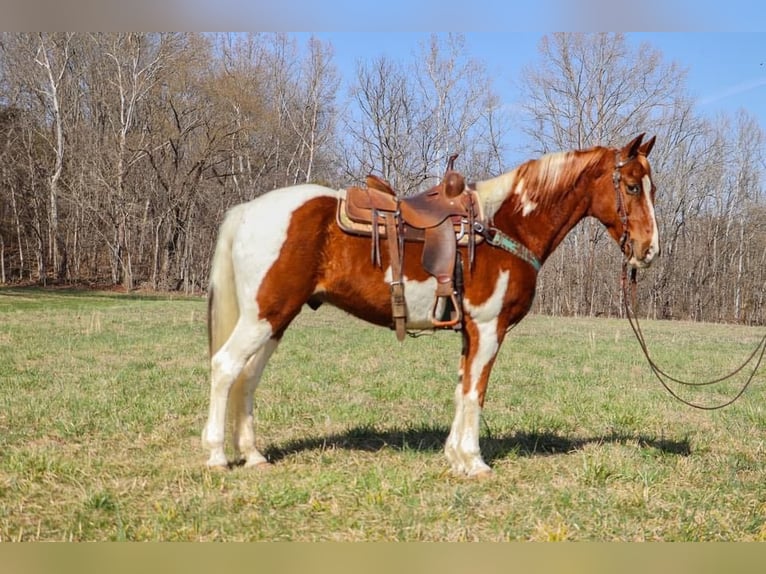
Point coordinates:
pixel 543 212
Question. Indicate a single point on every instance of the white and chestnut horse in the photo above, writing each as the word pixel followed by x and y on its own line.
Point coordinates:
pixel 284 249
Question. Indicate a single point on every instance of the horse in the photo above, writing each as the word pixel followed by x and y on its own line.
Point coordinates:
pixel 284 249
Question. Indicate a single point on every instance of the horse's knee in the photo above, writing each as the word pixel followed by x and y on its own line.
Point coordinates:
pixel 224 370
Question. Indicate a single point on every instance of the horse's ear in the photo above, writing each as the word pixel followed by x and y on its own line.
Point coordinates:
pixel 631 150
pixel 646 147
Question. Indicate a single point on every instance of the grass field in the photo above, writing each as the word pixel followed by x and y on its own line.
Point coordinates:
pixel 103 398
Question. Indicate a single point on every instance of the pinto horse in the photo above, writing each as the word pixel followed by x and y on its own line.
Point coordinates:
pixel 284 249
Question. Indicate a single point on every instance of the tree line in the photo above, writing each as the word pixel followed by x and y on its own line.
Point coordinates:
pixel 120 152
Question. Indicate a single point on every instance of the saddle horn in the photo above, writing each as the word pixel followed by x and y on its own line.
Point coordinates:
pixel 451 163
pixel 454 184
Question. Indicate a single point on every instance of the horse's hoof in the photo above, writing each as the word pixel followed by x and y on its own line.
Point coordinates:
pixel 482 474
pixel 476 474
pixel 259 465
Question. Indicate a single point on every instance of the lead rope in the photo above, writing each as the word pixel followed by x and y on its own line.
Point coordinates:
pixel 661 375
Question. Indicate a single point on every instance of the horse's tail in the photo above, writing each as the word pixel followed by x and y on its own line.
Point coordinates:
pixel 222 306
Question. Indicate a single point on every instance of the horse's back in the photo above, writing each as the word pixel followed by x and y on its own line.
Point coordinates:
pixel 275 240
pixel 263 223
pixel 273 210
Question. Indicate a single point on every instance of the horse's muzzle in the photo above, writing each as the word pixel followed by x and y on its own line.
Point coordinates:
pixel 642 257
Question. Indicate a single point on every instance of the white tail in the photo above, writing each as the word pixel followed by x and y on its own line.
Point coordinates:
pixel 222 306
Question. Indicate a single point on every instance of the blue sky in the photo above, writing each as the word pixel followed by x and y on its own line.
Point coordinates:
pixel 725 71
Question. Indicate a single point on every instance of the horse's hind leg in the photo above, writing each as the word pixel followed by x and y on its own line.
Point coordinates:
pixel 227 364
pixel 241 405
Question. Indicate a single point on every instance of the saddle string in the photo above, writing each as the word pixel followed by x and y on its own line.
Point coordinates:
pixel 632 315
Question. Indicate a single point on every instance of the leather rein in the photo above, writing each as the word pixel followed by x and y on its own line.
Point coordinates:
pixel 632 315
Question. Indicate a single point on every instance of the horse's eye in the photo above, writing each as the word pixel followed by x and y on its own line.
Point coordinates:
pixel 634 189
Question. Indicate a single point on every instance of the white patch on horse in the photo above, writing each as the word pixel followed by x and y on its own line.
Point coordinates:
pixel 646 182
pixel 490 308
pixel 419 298
pixel 261 233
pixel 485 316
pixel 527 205
pixel 493 192
pixel 462 447
pixel 251 238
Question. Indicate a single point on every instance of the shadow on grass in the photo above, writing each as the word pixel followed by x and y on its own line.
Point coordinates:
pixel 492 447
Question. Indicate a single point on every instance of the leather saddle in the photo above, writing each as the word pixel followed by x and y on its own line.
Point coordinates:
pixel 442 218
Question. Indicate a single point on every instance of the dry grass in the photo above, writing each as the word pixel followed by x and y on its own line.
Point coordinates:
pixel 103 398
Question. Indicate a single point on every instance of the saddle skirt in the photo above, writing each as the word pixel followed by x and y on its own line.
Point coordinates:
pixel 442 218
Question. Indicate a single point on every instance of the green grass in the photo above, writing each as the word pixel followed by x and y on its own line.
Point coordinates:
pixel 103 398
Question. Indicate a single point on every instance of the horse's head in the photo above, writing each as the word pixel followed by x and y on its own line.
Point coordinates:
pixel 632 222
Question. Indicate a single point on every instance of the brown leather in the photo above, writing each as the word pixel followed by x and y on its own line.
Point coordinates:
pixel 430 208
pixel 439 254
pixel 362 227
pixel 380 184
pixel 398 303
pixel 437 217
pixel 360 203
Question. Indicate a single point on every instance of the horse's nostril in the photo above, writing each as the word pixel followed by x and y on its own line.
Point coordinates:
pixel 650 253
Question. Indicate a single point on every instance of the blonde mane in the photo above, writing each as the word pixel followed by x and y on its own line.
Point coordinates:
pixel 536 183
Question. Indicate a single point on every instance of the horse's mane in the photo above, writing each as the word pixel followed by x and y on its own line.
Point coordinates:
pixel 538 182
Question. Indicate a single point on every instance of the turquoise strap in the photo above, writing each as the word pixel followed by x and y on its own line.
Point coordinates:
pixel 497 238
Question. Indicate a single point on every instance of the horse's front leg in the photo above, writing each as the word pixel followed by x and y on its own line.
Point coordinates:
pixel 482 335
pixel 462 447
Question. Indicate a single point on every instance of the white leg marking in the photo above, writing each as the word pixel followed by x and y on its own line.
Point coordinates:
pixel 462 448
pixel 226 365
pixel 241 405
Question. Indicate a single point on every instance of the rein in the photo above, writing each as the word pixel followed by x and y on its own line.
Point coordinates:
pixel 632 316
pixel 662 376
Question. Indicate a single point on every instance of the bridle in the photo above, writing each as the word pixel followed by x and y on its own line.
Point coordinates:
pixel 632 315
pixel 621 210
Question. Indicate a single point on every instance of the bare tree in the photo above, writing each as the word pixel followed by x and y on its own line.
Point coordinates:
pixel 53 56
pixel 405 121
pixel 462 114
pixel 310 109
pixel 128 67
pixel 586 90
pixel 383 125
pixel 119 154
pixel 591 89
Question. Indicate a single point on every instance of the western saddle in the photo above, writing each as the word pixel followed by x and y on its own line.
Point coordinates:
pixel 442 218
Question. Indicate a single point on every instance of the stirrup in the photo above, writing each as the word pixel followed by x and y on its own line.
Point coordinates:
pixel 456 317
